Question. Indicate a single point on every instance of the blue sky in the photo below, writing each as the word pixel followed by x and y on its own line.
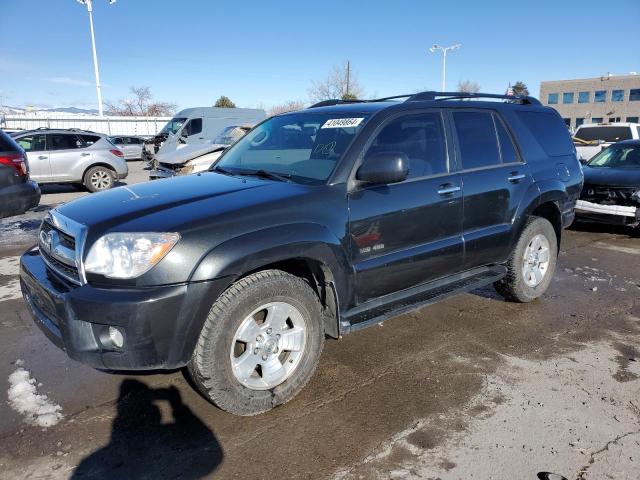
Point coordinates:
pixel 267 52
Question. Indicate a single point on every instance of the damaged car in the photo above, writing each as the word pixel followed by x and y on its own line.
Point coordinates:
pixel 197 157
pixel 611 192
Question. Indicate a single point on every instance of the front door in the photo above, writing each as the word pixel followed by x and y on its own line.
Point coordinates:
pixel 495 180
pixel 37 155
pixel 66 152
pixel 404 234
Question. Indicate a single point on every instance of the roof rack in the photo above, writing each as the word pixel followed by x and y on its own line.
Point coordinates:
pixel 439 96
pixel 435 96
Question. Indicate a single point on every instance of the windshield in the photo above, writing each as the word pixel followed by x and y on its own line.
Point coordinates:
pixel 606 134
pixel 173 125
pixel 229 135
pixel 621 156
pixel 304 147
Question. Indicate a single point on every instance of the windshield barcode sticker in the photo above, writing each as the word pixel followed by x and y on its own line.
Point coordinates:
pixel 342 122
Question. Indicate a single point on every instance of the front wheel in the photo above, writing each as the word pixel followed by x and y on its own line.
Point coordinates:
pixel 532 263
pixel 260 343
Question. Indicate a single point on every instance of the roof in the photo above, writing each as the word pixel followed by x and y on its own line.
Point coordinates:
pixel 633 141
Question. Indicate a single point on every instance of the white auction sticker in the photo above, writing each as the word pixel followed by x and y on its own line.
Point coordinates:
pixel 342 122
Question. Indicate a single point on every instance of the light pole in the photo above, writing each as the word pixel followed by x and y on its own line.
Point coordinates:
pixel 437 47
pixel 89 5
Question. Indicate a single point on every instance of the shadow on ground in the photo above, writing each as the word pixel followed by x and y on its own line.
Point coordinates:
pixel 142 445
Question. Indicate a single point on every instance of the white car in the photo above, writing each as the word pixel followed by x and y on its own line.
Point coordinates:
pixel 591 139
pixel 194 158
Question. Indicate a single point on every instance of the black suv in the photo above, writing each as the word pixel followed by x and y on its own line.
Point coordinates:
pixel 17 192
pixel 316 223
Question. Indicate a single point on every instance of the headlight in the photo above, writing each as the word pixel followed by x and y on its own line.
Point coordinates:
pixel 128 255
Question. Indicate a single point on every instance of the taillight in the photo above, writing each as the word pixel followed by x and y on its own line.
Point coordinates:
pixel 15 160
pixel 117 153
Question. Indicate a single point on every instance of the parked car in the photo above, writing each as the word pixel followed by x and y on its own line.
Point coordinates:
pixel 199 125
pixel 131 146
pixel 592 139
pixel 316 223
pixel 17 192
pixel 197 157
pixel 611 192
pixel 73 156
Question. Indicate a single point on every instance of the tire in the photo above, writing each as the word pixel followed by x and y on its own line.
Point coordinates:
pixel 237 313
pixel 99 178
pixel 518 287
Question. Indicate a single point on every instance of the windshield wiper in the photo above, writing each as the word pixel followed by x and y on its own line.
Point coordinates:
pixel 282 177
pixel 222 171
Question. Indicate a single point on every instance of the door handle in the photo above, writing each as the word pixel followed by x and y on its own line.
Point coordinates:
pixel 42 157
pixel 85 154
pixel 516 177
pixel 447 190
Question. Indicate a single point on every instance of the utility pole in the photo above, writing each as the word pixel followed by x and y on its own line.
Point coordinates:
pixel 89 5
pixel 444 50
pixel 348 75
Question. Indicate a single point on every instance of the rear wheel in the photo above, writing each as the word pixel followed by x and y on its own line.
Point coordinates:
pixel 99 178
pixel 532 263
pixel 260 344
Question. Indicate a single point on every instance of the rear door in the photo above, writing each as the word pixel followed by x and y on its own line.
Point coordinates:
pixel 36 147
pixel 494 179
pixel 407 233
pixel 66 153
pixel 132 148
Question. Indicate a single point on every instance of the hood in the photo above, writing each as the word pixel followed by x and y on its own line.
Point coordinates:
pixel 612 177
pixel 173 204
pixel 188 152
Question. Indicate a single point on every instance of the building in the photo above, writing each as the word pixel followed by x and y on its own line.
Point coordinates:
pixel 613 98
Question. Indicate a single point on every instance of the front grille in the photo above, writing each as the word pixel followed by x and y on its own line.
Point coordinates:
pixel 609 195
pixel 70 272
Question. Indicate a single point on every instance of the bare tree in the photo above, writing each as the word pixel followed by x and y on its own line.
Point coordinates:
pixel 467 86
pixel 340 83
pixel 140 104
pixel 290 106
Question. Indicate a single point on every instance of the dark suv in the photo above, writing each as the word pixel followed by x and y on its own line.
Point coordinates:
pixel 17 192
pixel 316 223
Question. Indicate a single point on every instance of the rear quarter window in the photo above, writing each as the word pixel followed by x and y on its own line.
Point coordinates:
pixel 550 132
pixel 89 139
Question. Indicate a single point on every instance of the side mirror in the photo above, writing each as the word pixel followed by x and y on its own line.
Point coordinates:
pixel 384 167
pixel 183 137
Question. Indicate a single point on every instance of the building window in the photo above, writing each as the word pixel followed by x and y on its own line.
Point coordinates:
pixel 584 97
pixel 632 119
pixel 614 119
pixel 552 99
pixel 596 120
pixel 634 94
pixel 579 121
pixel 600 96
pixel 617 95
pixel 567 122
pixel 567 97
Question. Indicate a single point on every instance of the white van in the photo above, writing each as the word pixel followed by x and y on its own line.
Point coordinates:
pixel 200 125
pixel 590 139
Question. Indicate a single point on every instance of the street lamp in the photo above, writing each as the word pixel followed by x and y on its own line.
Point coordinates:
pixel 89 5
pixel 444 50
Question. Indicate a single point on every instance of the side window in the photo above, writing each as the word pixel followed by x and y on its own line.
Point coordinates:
pixel 32 143
pixel 507 149
pixel 117 141
pixel 477 139
pixel 550 132
pixel 134 141
pixel 192 127
pixel 89 139
pixel 63 141
pixel 421 138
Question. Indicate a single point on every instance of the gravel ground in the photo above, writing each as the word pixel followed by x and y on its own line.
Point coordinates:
pixel 473 387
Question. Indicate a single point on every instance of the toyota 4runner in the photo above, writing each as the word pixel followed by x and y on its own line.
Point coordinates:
pixel 317 223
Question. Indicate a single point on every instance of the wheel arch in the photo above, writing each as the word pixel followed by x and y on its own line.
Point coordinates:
pixel 98 164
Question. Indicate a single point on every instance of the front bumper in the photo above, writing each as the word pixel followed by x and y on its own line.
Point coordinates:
pixel 157 173
pixel 160 324
pixel 616 214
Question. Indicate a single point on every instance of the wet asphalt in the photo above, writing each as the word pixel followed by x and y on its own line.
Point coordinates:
pixel 369 386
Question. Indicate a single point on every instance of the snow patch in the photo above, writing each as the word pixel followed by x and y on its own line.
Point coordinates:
pixel 37 409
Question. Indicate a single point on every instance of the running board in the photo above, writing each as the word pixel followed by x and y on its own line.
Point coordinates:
pixel 380 309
